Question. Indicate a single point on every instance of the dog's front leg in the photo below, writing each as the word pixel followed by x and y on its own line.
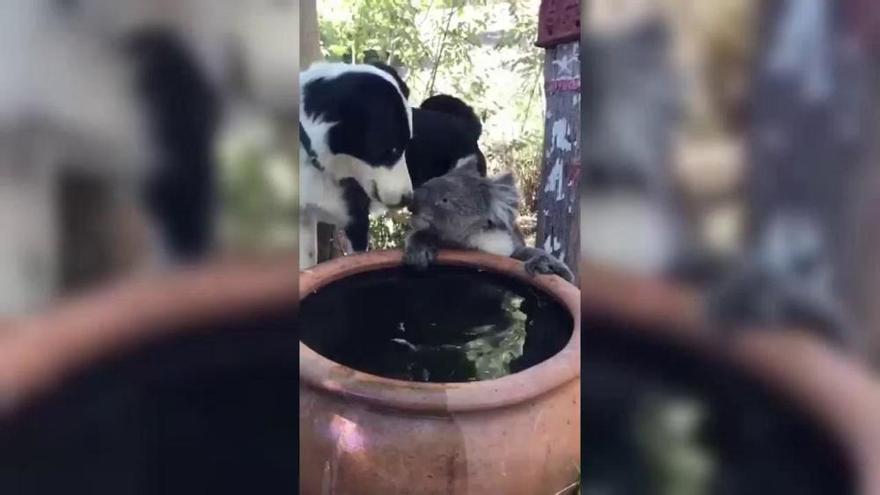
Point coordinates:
pixel 357 205
pixel 29 250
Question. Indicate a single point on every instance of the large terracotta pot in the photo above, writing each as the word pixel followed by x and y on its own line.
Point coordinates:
pixel 362 434
pixel 178 383
pixel 838 393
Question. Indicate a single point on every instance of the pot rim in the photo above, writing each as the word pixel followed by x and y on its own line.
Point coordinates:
pixel 39 351
pixel 321 373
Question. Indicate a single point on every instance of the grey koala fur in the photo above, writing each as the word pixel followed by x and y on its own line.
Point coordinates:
pixel 787 280
pixel 462 210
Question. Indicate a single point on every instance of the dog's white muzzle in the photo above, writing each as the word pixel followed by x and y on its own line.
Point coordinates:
pixel 392 187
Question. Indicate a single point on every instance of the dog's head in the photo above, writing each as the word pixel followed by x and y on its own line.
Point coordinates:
pixel 359 122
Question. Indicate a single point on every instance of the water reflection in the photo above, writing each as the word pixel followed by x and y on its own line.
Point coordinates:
pixel 444 325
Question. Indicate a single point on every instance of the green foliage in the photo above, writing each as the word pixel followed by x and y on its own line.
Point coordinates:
pixel 468 49
pixel 523 157
pixel 492 350
pixel 668 434
pixel 259 197
pixel 386 28
pixel 388 231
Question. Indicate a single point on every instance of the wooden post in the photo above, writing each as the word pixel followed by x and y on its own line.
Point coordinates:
pixel 862 19
pixel 558 230
pixel 310 40
pixel 808 138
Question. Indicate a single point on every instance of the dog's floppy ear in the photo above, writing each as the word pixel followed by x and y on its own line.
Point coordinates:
pixel 390 70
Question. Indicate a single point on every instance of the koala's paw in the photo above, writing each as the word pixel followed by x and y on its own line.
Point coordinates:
pixel 754 300
pixel 545 264
pixel 419 256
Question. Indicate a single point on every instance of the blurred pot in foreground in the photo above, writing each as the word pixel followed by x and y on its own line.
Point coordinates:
pixel 763 411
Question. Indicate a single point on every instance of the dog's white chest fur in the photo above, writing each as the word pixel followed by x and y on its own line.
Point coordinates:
pixel 494 242
pixel 320 195
pixel 321 200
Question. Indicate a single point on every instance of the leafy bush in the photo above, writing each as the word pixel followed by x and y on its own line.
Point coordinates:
pixel 388 231
pixel 258 195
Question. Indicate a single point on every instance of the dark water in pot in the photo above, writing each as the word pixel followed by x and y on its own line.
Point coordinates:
pixel 660 420
pixel 442 325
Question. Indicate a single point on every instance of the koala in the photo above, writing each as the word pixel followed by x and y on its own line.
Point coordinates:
pixel 630 114
pixel 463 210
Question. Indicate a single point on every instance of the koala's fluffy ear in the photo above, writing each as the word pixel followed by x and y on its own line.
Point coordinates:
pixel 505 179
pixel 503 199
pixel 468 165
pixel 503 194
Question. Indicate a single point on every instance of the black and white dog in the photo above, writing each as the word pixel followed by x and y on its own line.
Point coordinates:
pixel 343 182
pixel 125 98
pixel 355 125
pixel 445 130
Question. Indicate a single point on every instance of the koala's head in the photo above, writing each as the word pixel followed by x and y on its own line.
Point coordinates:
pixel 462 203
pixel 634 104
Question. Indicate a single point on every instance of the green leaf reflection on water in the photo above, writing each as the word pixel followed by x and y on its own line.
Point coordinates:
pixel 486 353
pixel 494 349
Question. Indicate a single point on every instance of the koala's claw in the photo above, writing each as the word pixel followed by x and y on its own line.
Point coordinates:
pixel 544 264
pixel 752 300
pixel 419 257
pixel 537 265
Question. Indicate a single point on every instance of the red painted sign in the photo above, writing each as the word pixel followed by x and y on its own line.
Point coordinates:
pixel 559 21
pixel 563 85
pixel 864 17
pixel 574 173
